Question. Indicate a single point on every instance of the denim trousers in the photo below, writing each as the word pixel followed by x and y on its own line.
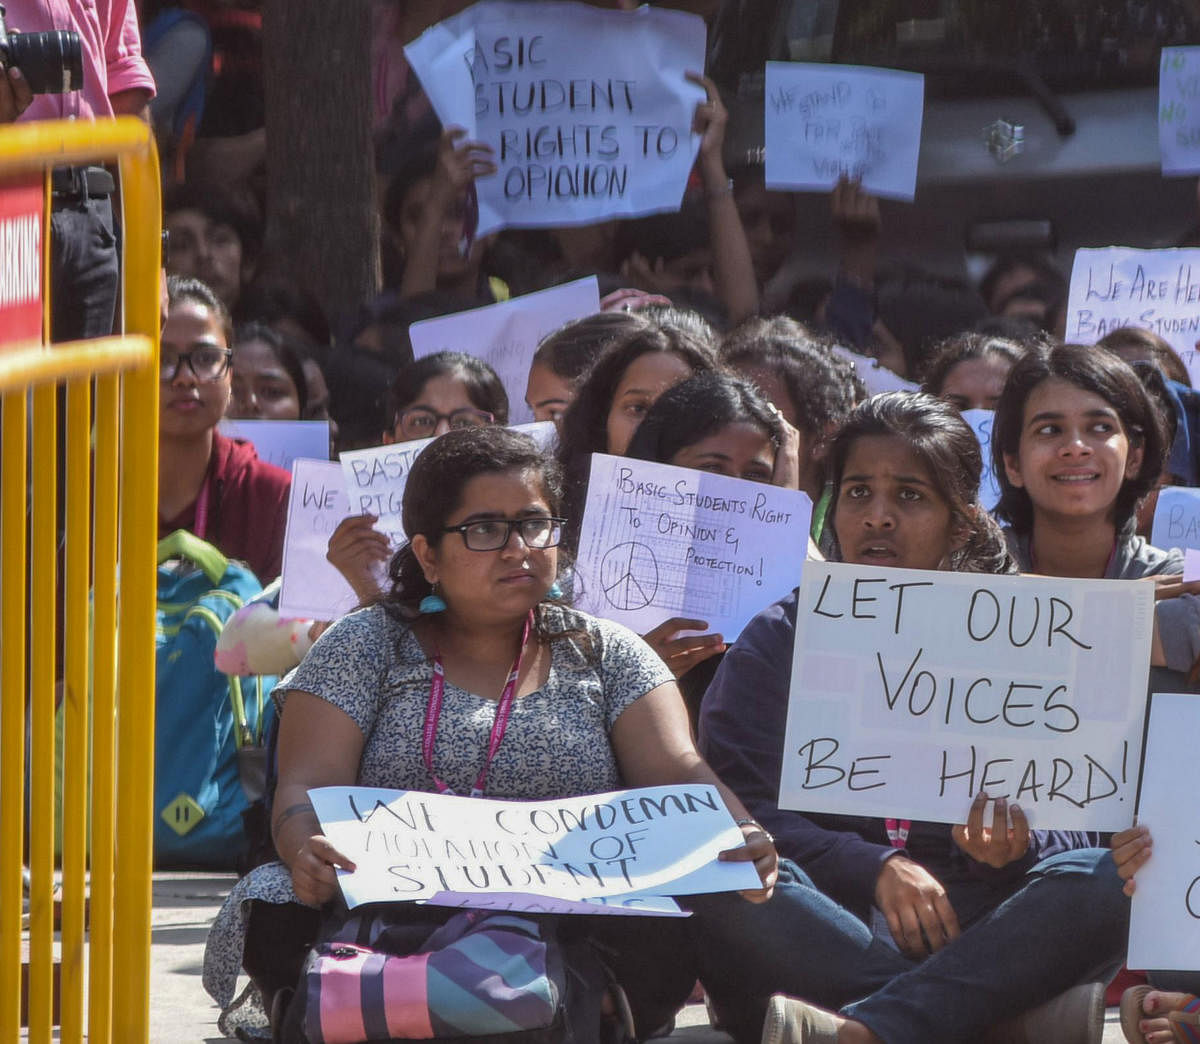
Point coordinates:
pixel 1064 922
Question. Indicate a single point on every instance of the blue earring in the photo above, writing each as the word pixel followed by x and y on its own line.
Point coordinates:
pixel 555 591
pixel 432 602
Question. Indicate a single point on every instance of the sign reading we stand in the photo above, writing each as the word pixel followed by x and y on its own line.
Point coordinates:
pixel 22 221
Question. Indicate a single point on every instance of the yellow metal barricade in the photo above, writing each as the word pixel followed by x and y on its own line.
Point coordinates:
pixel 109 391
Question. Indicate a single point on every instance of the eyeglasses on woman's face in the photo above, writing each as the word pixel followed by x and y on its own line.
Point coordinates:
pixel 491 534
pixel 206 363
pixel 420 422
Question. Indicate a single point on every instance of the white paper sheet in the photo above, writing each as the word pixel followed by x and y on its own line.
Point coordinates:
pixel 913 690
pixel 1157 290
pixel 1179 110
pixel 989 485
pixel 281 442
pixel 659 541
pixel 824 120
pixel 1176 518
pixel 587 110
pixel 412 845
pixel 1164 920
pixel 312 588
pixel 506 335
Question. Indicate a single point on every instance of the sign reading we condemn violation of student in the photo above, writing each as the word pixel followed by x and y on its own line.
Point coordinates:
pixel 1164 918
pixel 587 111
pixel 654 841
pixel 506 335
pixel 1156 290
pixel 659 541
pixel 823 121
pixel 913 690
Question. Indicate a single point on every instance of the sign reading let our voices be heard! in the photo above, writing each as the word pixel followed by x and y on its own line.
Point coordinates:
pixel 659 541
pixel 912 691
pixel 506 335
pixel 599 848
pixel 587 110
pixel 823 121
pixel 1156 290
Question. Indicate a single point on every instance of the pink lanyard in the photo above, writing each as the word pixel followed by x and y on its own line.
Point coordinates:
pixel 897 831
pixel 433 712
pixel 200 521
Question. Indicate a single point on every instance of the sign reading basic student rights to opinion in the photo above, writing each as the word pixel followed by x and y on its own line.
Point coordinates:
pixel 587 111
pixel 914 690
pixel 659 541
pixel 1156 290
pixel 655 841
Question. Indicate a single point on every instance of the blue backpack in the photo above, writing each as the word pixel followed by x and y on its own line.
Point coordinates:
pixel 209 727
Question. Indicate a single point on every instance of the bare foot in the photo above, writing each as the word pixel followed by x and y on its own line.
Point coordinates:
pixel 1156 1005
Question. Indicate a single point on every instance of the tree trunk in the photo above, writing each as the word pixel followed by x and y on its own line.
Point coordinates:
pixel 322 219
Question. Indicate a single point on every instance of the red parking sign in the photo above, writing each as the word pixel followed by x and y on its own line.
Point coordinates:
pixel 22 228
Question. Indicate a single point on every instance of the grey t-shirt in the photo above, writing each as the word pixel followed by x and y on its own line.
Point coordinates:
pixel 556 745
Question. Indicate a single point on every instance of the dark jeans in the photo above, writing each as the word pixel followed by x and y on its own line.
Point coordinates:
pixel 1065 923
pixel 84 269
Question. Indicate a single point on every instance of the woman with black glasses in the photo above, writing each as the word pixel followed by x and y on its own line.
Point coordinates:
pixel 473 677
pixel 212 486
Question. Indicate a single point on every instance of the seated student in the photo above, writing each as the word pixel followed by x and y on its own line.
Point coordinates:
pixel 1168 1010
pixel 1027 285
pixel 968 370
pixel 268 378
pixel 589 708
pixel 1133 344
pixel 563 357
pixel 214 235
pixel 769 219
pixel 213 486
pixel 813 389
pixel 447 391
pixel 1077 442
pixel 971 926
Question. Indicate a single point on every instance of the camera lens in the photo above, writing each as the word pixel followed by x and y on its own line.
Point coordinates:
pixel 52 63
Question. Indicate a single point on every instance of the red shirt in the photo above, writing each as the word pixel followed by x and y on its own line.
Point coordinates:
pixel 245 503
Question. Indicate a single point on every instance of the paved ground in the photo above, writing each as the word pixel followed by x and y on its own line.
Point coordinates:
pixel 181 1012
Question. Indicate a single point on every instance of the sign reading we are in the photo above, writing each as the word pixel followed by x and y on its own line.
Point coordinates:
pixel 912 691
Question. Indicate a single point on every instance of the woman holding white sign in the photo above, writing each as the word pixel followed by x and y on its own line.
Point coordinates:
pixel 943 932
pixel 569 705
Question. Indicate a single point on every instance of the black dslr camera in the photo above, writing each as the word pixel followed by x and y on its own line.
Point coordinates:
pixel 52 63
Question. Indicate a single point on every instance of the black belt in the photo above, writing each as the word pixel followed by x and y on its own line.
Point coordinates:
pixel 81 182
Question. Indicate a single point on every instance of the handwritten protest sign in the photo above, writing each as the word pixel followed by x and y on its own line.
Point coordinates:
pixel 520 902
pixel 1157 290
pixel 1176 518
pixel 1179 110
pixel 659 541
pixel 913 690
pixel 823 121
pixel 506 335
pixel 587 111
pixel 989 485
pixel 651 841
pixel 311 587
pixel 1164 919
pixel 281 442
pixel 375 478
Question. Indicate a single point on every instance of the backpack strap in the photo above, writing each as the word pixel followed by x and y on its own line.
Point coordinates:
pixel 182 544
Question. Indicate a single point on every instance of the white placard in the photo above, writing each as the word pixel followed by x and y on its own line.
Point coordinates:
pixel 1158 290
pixel 587 111
pixel 659 541
pixel 518 902
pixel 876 378
pixel 989 486
pixel 823 121
pixel 375 478
pixel 506 335
pixel 1191 565
pixel 1164 921
pixel 1176 518
pixel 281 442
pixel 311 586
pixel 651 841
pixel 913 690
pixel 1179 110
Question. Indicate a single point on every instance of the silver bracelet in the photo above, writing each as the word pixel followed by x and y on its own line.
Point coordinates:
pixel 748 821
pixel 721 193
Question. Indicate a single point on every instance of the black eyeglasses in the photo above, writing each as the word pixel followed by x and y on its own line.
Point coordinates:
pixel 420 422
pixel 491 534
pixel 206 364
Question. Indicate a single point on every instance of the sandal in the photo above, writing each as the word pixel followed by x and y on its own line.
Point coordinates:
pixel 791 1021
pixel 1185 1021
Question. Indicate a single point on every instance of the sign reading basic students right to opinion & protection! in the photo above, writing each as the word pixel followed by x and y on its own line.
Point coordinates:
pixel 912 691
